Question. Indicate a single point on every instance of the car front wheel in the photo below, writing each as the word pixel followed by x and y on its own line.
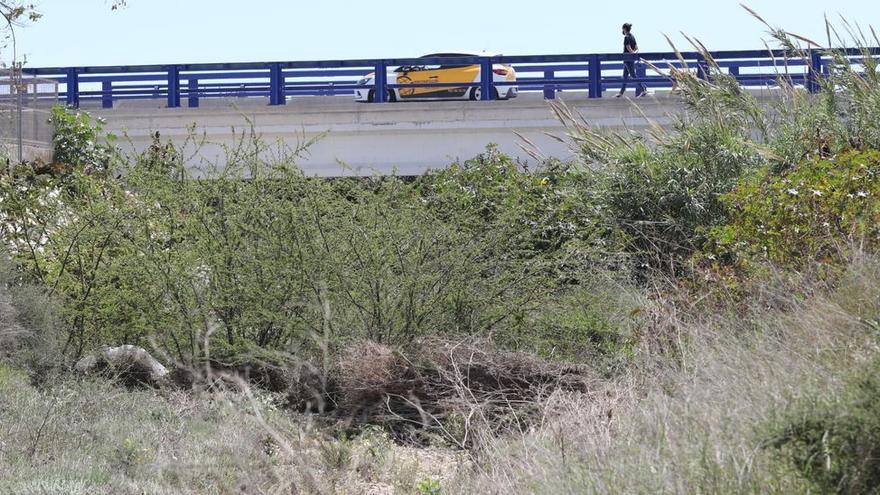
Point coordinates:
pixel 371 96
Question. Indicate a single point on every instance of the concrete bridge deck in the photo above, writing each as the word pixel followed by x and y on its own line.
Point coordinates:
pixel 366 139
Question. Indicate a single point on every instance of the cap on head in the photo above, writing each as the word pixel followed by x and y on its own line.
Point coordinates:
pixel 627 27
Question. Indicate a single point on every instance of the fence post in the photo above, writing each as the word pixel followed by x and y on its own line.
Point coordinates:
pixel 192 88
pixel 702 68
pixel 276 85
pixel 486 76
pixel 107 94
pixel 380 92
pixel 72 88
pixel 173 86
pixel 641 72
pixel 595 68
pixel 815 71
pixel 549 90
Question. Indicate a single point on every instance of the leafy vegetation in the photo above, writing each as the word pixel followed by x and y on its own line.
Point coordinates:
pixel 280 261
pixel 813 211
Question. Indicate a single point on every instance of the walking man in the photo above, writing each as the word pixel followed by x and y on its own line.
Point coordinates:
pixel 629 66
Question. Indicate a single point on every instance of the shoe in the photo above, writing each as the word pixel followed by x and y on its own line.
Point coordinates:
pixel 618 95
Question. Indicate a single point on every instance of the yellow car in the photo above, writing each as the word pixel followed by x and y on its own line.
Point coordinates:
pixel 446 74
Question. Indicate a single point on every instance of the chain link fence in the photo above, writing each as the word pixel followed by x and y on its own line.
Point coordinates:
pixel 25 107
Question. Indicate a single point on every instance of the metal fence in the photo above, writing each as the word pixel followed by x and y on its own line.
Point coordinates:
pixel 25 109
pixel 592 74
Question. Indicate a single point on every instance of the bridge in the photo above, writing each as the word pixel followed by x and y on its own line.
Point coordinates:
pixel 302 100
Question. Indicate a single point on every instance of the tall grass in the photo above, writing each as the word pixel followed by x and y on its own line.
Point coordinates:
pixel 704 426
pixel 30 330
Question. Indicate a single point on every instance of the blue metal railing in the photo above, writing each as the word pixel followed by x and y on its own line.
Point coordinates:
pixel 547 74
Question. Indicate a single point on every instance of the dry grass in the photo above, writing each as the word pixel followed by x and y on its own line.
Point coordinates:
pixel 93 437
pixel 700 427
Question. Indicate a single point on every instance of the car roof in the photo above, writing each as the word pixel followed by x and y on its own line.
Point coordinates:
pixel 461 54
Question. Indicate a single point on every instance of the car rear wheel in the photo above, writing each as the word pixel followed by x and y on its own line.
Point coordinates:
pixel 477 93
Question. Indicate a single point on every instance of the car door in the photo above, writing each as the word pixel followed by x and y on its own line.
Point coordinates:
pixel 451 74
pixel 428 75
pixel 418 74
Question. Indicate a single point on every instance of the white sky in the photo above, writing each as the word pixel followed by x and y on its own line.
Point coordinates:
pixel 87 32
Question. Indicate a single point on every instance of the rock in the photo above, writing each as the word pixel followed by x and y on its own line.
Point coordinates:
pixel 132 364
pixel 87 364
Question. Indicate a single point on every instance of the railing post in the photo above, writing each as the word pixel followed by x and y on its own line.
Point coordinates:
pixel 380 92
pixel 702 68
pixel 486 76
pixel 173 86
pixel 549 90
pixel 276 85
pixel 192 87
pixel 641 72
pixel 107 94
pixel 815 71
pixel 595 68
pixel 72 83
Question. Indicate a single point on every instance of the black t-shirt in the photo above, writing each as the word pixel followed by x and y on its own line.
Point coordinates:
pixel 629 42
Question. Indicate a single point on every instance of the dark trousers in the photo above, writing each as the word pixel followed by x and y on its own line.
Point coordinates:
pixel 629 71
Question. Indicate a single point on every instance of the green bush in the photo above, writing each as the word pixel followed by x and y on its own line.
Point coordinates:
pixel 79 142
pixel 814 211
pixel 493 190
pixel 148 255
